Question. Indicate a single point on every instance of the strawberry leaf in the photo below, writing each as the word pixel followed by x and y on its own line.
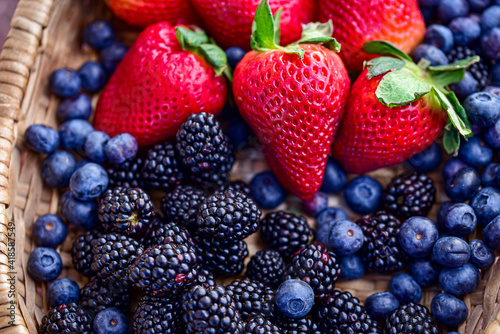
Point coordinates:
pixel 190 39
pixel 384 48
pixel 445 75
pixel 217 58
pixel 460 64
pixel 316 32
pixel 451 140
pixel 277 29
pixel 455 111
pixel 401 88
pixel 382 65
pixel 263 28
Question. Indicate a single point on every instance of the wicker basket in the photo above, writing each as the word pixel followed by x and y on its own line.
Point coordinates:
pixel 44 35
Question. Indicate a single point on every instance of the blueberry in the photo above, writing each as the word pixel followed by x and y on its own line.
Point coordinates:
pixel 490 44
pixel 481 255
pixel 62 291
pixel 345 237
pixel 493 89
pixel 49 231
pixel 459 281
pixel 58 168
pixel 491 234
pixel 294 298
pixel 44 264
pixel 451 252
pixel 465 30
pixel 110 321
pixel 363 194
pixel 74 132
pixel 449 310
pixel 482 108
pixel 478 5
pixel 452 167
pixel 476 17
pixel 490 18
pixel 121 148
pixel 492 135
pixel 79 213
pixel 460 220
pixel 466 87
pixel 428 3
pixel 93 76
pixel 442 212
pixel 449 9
pixel 431 53
pixel 267 191
pixel 440 37
pixel 380 305
pixel 475 152
pixel 64 82
pixel 425 271
pixel 352 267
pixel 428 14
pixel 486 204
pixel 82 162
pixel 234 55
pixel 99 34
pixel 417 236
pixel 79 106
pixel 112 55
pixel 315 204
pixel 427 160
pixel 464 185
pixel 239 133
pixel 406 289
pixel 488 178
pixel 495 76
pixel 334 179
pixel 41 138
pixel 94 146
pixel 330 215
pixel 88 182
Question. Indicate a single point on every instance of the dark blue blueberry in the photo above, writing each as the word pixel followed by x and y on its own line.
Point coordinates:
pixel 492 135
pixel 460 220
pixel 481 255
pixel 363 194
pixel 431 53
pixel 345 237
pixel 58 168
pixel 442 212
pixel 464 185
pixel 94 146
pixel 449 310
pixel 352 267
pixel 62 291
pixel 488 178
pixel 88 182
pixel 427 160
pixel 459 281
pixel 406 289
pixel 234 55
pixel 334 179
pixel 75 107
pixel 79 213
pixel 491 234
pixel 99 34
pixel 495 76
pixel 477 18
pixel 82 162
pixel 451 252
pixel 466 87
pixel 380 305
pixel 267 191
pixel 439 36
pixel 482 108
pixel 449 9
pixel 121 148
pixel 452 167
pixel 294 298
pixel 490 18
pixel 486 204
pixel 479 5
pixel 315 204
pixel 425 271
pixel 110 321
pixel 112 55
pixel 475 152
pixel 49 231
pixel 44 264
pixel 74 132
pixel 93 76
pixel 64 82
pixel 330 215
pixel 240 133
pixel 490 44
pixel 41 138
pixel 493 89
pixel 417 236
pixel 428 14
pixel 465 30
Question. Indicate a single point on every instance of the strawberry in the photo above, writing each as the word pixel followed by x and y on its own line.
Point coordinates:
pixel 293 98
pixel 230 22
pixel 356 22
pixel 168 74
pixel 397 108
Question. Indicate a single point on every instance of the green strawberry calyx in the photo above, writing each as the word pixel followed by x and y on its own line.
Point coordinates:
pixel 404 82
pixel 198 42
pixel 266 33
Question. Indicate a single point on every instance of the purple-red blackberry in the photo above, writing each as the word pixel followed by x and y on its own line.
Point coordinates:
pixel 161 169
pixel 82 254
pixel 252 298
pixel 99 294
pixel 155 315
pixel 261 325
pixel 299 326
pixel 410 318
pixel 220 258
pixel 181 205
pixel 127 174
pixel 266 266
pixel 171 233
pixel 66 319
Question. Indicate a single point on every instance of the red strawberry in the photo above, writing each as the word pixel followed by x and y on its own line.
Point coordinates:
pixel 293 98
pixel 159 83
pixel 230 22
pixel 396 109
pixel 356 22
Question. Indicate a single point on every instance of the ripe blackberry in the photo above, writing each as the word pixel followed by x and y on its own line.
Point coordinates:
pixel 155 315
pixel 261 325
pixel 220 258
pixel 82 254
pixel 205 277
pixel 66 319
pixel 127 174
pixel 147 240
pixel 266 266
pixel 228 216
pixel 204 150
pixel 161 169
pixel 252 298
pixel 341 313
pixel 317 266
pixel 210 310
pixel 171 233
pixel 410 318
pixel 299 326
pixel 237 186
pixel 99 294
pixel 181 205
pixel 127 211
pixel 479 70
pixel 409 195
pixel 381 251
pixel 285 232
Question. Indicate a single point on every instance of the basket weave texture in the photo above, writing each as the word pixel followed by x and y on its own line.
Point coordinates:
pixel 44 36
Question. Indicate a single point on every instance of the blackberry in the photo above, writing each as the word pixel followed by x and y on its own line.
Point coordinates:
pixel 479 70
pixel 127 211
pixel 252 298
pixel 381 251
pixel 222 259
pixel 210 310
pixel 157 316
pixel 148 239
pixel 266 266
pixel 82 254
pixel 66 319
pixel 126 174
pixel 238 186
pixel 341 313
pixel 317 266
pixel 99 294
pixel 204 150
pixel 285 232
pixel 181 205
pixel 161 168
pixel 410 318
pixel 409 195
pixel 299 326
pixel 261 325
pixel 171 233
pixel 205 277
pixel 228 216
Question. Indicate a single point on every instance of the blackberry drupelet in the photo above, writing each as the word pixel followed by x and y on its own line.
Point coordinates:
pixel 171 233
pixel 299 326
pixel 317 266
pixel 411 318
pixel 252 298
pixel 409 195
pixel 99 294
pixel 82 254
pixel 181 205
pixel 205 277
pixel 155 315
pixel 238 186
pixel 341 313
pixel 161 169
pixel 266 266
pixel 285 232
pixel 66 319
pixel 228 216
pixel 480 70
pixel 261 325
pixel 204 149
pixel 127 211
pixel 147 240
pixel 222 259
pixel 126 174
pixel 381 251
